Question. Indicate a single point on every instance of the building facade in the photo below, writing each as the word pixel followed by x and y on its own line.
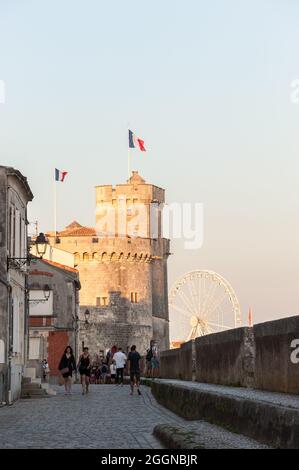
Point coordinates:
pixel 15 194
pixel 53 313
pixel 122 263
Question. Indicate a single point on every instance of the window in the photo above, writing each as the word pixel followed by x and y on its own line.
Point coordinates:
pixel 95 256
pixel 134 297
pixel 13 231
pixel 102 301
pixel 34 348
pixel 16 327
pixel 95 240
pixel 77 258
pixel 104 256
pixel 2 352
pixel 85 257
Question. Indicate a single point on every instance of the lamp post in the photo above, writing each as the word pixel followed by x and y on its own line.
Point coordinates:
pixel 41 244
pixel 87 316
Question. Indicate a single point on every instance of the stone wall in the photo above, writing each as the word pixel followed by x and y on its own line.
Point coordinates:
pixel 226 358
pixel 170 364
pixel 264 357
pixel 274 369
pixel 187 360
pixel 177 363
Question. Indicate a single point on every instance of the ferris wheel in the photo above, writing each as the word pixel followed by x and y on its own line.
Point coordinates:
pixel 202 302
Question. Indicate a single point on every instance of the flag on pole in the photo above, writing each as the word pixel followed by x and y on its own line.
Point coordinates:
pixel 60 175
pixel 135 141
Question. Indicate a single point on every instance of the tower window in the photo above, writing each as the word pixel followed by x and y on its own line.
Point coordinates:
pixel 102 301
pixel 134 297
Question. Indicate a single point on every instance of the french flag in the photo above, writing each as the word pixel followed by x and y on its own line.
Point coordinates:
pixel 60 175
pixel 134 142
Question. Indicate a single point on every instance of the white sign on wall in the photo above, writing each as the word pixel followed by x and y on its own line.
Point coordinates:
pixel 39 308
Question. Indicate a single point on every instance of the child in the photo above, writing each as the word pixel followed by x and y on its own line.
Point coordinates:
pixel 113 372
pixel 46 369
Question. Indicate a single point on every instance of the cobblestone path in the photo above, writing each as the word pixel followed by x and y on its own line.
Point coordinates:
pixel 107 418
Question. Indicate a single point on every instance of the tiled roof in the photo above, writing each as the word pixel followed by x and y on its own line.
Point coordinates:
pixel 61 266
pixel 76 230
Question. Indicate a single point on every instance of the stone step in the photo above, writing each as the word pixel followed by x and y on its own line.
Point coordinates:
pixel 38 391
pixel 26 380
pixel 31 386
pixel 269 417
pixel 36 381
pixel 34 392
pixel 202 435
pixel 30 372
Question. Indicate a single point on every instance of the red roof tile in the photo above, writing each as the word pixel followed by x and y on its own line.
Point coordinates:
pixel 75 230
pixel 61 266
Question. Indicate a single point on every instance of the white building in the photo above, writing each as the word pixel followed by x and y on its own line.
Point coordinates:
pixel 15 194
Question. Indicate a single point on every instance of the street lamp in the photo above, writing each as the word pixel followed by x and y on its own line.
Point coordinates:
pixel 41 244
pixel 86 314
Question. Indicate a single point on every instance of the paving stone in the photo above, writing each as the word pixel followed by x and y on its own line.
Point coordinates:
pixel 107 418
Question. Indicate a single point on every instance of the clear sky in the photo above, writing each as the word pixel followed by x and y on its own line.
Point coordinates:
pixel 205 83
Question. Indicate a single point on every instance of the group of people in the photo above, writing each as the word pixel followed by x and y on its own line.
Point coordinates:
pixel 116 363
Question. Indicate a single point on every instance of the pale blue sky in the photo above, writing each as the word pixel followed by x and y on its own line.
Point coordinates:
pixel 206 84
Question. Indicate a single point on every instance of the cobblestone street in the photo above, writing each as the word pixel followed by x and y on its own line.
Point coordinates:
pixel 107 418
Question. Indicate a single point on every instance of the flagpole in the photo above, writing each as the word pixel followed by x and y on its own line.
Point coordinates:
pixel 55 208
pixel 129 163
pixel 129 153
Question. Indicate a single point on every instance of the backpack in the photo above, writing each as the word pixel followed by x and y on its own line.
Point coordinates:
pixel 149 355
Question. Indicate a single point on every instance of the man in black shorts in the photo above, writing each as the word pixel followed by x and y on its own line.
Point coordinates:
pixel 134 369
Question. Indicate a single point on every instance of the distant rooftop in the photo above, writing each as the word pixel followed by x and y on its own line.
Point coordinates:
pixel 135 178
pixel 75 230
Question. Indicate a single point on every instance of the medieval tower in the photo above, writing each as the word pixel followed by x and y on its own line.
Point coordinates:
pixel 122 263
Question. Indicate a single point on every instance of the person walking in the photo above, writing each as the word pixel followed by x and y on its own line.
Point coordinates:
pixel 104 372
pixel 134 369
pixel 84 366
pixel 66 366
pixel 120 361
pixel 155 363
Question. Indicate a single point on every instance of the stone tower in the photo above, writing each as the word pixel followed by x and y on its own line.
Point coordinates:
pixel 123 268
